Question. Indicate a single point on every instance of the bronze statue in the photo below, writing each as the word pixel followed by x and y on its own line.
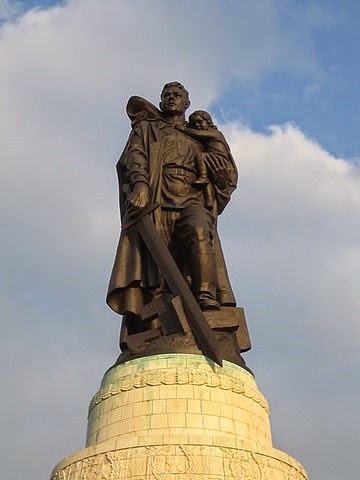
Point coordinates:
pixel 181 175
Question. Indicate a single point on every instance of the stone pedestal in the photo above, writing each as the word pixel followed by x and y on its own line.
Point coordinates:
pixel 178 417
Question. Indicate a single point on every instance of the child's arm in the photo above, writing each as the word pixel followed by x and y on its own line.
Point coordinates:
pixel 204 135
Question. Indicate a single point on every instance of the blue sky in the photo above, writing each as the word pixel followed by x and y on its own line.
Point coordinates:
pixel 281 80
pixel 321 103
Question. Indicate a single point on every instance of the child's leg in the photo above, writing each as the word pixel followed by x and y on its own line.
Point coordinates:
pixel 201 169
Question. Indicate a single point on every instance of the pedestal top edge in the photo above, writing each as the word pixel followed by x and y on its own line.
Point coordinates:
pixel 174 360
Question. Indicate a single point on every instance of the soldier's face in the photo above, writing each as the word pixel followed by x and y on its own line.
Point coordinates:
pixel 174 100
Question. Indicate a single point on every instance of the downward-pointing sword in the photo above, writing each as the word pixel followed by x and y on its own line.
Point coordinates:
pixel 205 337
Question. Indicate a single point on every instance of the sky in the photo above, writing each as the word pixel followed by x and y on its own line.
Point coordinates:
pixel 281 81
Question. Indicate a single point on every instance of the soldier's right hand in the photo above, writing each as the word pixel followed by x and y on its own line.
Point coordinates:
pixel 139 198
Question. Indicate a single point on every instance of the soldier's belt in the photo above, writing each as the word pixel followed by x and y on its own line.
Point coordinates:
pixel 179 171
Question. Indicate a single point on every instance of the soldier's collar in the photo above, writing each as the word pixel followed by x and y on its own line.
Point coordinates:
pixel 171 124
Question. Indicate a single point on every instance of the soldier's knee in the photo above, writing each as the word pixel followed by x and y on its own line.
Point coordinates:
pixel 200 239
pixel 200 233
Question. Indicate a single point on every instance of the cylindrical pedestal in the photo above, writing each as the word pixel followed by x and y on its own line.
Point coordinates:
pixel 178 417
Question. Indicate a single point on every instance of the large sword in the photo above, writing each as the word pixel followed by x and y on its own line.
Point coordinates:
pixel 205 337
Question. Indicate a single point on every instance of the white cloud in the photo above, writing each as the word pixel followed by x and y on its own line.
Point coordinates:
pixel 298 211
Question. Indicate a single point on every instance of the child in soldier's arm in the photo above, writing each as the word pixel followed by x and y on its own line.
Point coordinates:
pixel 202 128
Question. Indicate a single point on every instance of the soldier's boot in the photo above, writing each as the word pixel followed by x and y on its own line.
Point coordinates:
pixel 204 280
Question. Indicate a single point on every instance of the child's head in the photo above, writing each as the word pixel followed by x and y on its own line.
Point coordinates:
pixel 201 120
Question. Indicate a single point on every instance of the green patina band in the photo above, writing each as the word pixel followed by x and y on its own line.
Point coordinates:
pixel 177 369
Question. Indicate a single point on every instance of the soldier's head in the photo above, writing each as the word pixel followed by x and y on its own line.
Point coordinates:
pixel 174 99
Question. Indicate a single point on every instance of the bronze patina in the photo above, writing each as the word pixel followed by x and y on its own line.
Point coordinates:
pixel 169 279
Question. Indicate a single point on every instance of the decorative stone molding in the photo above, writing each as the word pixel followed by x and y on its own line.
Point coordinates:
pixel 180 462
pixel 178 376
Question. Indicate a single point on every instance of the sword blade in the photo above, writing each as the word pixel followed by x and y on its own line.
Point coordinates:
pixel 205 337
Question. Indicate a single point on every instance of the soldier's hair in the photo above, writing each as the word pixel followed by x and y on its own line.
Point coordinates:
pixel 204 115
pixel 176 84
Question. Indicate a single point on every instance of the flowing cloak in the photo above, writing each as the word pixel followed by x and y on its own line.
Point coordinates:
pixel 135 271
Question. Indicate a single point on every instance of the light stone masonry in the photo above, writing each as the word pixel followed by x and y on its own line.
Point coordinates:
pixel 178 417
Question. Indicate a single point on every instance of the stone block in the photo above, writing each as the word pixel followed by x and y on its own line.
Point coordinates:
pixel 159 406
pixel 217 395
pixel 141 408
pixel 194 420
pixel 224 441
pixel 127 425
pixel 242 429
pixel 116 415
pixel 193 406
pixel 175 439
pixel 142 423
pixel 126 441
pixel 211 422
pixel 176 420
pixel 184 391
pixel 151 393
pixel 210 408
pixel 167 391
pixel 134 396
pixel 150 438
pixel 227 425
pixel 201 392
pixel 127 411
pixel 176 405
pixel 157 363
pixel 226 410
pixel 159 421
